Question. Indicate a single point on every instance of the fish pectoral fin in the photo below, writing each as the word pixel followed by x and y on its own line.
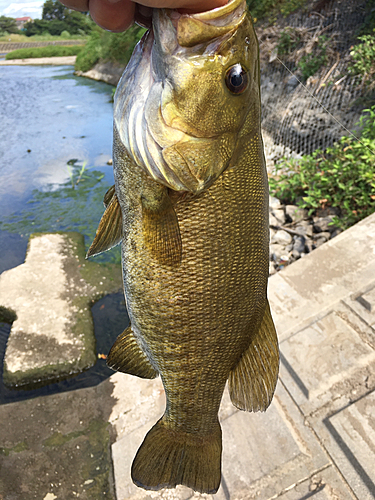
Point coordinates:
pixel 253 381
pixel 168 457
pixel 109 195
pixel 161 230
pixel 109 232
pixel 126 356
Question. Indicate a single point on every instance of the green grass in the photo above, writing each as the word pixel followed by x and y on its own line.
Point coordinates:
pixel 48 51
pixel 271 9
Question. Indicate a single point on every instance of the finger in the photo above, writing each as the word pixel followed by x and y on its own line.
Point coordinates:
pixel 81 5
pixel 113 15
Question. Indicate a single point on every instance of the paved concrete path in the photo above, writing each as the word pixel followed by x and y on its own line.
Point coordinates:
pixel 55 61
pixel 316 441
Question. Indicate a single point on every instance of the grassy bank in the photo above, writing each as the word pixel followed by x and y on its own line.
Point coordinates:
pixel 49 51
pixel 105 46
pixel 15 38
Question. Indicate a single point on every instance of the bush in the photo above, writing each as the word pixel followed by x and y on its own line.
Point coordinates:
pixel 312 62
pixel 363 56
pixel 49 51
pixel 106 46
pixel 343 177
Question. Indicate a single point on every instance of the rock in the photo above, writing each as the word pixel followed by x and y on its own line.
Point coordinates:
pixel 276 251
pixel 273 221
pixel 299 245
pixel 275 204
pixel 292 83
pixel 295 213
pixel 322 224
pixel 282 238
pixel 319 242
pixel 279 216
pixel 272 268
pixel 50 294
pixel 323 235
pixel 305 228
pixel 107 72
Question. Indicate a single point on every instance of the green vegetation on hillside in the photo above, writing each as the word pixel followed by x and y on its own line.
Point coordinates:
pixel 343 176
pixel 363 56
pixel 57 18
pixel 7 25
pixel 270 9
pixel 105 46
pixel 49 51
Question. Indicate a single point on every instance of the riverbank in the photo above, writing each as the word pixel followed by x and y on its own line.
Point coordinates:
pixel 55 61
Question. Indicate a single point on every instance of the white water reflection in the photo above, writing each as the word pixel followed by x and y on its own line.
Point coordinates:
pixel 48 117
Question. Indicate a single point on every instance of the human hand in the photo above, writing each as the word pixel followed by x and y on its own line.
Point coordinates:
pixel 117 15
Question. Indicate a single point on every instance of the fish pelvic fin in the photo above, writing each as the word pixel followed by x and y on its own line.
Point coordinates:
pixel 126 356
pixel 253 381
pixel 109 232
pixel 168 457
pixel 161 229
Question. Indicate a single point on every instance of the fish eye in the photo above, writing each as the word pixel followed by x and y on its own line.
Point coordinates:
pixel 236 79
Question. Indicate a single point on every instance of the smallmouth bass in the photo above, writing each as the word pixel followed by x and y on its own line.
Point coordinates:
pixel 190 206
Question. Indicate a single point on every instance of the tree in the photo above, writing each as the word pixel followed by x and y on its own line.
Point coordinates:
pixel 8 24
pixel 52 9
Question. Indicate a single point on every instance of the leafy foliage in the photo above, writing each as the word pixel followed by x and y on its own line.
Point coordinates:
pixel 57 18
pixel 8 25
pixel 289 39
pixel 343 176
pixel 106 46
pixel 270 9
pixel 312 62
pixel 49 51
pixel 363 56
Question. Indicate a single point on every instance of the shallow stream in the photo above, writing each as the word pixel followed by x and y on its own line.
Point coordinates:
pixel 55 142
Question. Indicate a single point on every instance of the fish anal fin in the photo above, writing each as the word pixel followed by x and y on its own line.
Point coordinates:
pixel 161 230
pixel 169 457
pixel 126 356
pixel 109 195
pixel 253 381
pixel 109 232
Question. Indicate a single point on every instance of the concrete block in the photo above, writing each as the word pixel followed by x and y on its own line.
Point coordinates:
pixel 349 436
pixel 363 303
pixel 316 361
pixel 324 485
pixel 265 453
pixel 52 335
pixel 312 285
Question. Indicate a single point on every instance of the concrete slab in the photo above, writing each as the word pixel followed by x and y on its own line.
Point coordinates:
pixel 332 272
pixel 325 485
pixel 266 453
pixel 318 360
pixel 56 61
pixel 58 447
pixel 50 295
pixel 349 436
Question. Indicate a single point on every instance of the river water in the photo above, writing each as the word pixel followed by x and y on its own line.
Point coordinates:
pixel 52 124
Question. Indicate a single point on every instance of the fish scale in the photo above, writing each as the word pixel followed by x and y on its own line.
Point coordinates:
pixel 195 240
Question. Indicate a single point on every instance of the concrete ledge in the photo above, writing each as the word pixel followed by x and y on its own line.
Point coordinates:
pixel 55 61
pixel 50 294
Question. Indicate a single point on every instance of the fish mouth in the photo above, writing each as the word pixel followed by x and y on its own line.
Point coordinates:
pixel 170 151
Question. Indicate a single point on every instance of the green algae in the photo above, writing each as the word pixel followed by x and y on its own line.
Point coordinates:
pixel 76 205
pixel 95 468
pixel 22 446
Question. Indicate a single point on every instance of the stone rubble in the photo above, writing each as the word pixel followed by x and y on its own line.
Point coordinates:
pixel 293 233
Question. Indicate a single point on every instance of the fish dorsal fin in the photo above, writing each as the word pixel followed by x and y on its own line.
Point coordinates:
pixel 161 230
pixel 252 382
pixel 126 356
pixel 109 232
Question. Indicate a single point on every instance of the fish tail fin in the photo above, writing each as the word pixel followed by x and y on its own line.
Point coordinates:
pixel 168 457
pixel 253 381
